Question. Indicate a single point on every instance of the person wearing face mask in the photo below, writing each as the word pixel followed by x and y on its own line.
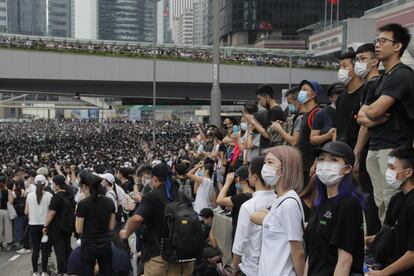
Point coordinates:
pixel 282 251
pixel 56 225
pixel 266 98
pixel 290 132
pixel 203 186
pixel 309 93
pixel 323 127
pixel 117 197
pixel 400 213
pixel 335 232
pixel 244 192
pixel 348 103
pixel 248 236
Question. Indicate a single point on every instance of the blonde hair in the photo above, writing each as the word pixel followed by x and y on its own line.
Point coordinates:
pixel 292 167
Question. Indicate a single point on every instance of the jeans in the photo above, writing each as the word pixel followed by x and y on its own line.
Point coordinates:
pixel 36 236
pixel 94 251
pixel 61 245
pixel 18 228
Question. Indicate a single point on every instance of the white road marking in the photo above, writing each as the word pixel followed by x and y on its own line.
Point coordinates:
pixel 15 257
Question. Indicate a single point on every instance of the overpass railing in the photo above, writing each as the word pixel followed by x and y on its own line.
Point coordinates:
pixel 229 55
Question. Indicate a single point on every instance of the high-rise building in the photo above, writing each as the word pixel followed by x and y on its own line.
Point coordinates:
pixel 185 28
pixel 27 17
pixel 3 16
pixel 201 21
pixel 178 7
pixel 59 18
pixel 85 19
pixel 147 16
pixel 243 22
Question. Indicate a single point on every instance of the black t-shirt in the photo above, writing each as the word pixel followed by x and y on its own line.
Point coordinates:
pixel 398 129
pixel 151 209
pixel 237 201
pixel 97 215
pixel 347 108
pixel 127 186
pixel 4 198
pixel 305 146
pixel 56 204
pixel 274 114
pixel 324 120
pixel 401 209
pixel 335 224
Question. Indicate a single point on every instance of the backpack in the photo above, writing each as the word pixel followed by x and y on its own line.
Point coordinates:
pixel 119 210
pixel 184 241
pixel 311 116
pixel 185 188
pixel 66 220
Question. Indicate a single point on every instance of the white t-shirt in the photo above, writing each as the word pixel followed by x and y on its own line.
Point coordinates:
pixel 38 212
pixel 282 224
pixel 112 196
pixel 203 195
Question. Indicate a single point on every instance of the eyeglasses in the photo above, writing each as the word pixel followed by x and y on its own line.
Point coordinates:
pixel 382 40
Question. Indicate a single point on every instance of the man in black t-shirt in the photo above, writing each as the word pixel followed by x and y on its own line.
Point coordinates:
pixel 400 213
pixel 389 112
pixel 348 103
pixel 151 213
pixel 265 96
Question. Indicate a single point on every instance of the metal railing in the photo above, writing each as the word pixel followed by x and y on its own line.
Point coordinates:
pixel 386 6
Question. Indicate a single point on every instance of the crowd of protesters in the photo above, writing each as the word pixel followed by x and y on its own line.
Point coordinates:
pixel 178 53
pixel 310 190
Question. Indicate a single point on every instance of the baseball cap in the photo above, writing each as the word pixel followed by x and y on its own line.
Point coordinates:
pixel 242 172
pixel 314 85
pixel 339 149
pixel 40 178
pixel 59 180
pixel 108 177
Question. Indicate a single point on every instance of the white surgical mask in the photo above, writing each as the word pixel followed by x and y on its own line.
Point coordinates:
pixel 269 175
pixel 243 126
pixel 343 76
pixel 391 179
pixel 361 69
pixel 329 172
pixel 53 186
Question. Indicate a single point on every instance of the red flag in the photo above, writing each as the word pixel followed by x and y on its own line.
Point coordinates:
pixel 333 2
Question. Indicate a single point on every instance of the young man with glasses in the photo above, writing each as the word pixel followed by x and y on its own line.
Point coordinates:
pixel 389 112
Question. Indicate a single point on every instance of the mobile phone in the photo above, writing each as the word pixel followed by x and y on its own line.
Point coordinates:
pixel 235 129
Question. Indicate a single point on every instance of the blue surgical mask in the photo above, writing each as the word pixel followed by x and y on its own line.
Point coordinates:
pixel 200 173
pixel 238 186
pixel 292 108
pixel 243 126
pixel 303 97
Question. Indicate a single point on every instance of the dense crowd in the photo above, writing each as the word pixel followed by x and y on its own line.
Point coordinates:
pixel 310 190
pixel 144 50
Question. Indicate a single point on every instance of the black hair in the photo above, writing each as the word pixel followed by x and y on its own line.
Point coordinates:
pixel 256 166
pixel 336 89
pixel 209 168
pixel 93 182
pixel 144 170
pixel 406 155
pixel 218 135
pixel 125 172
pixel 294 91
pixel 250 108
pixel 348 55
pixel 400 34
pixel 367 48
pixel 181 169
pixel 265 90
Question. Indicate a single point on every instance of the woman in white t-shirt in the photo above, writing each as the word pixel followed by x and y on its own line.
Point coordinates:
pixel 37 207
pixel 282 250
pixel 203 186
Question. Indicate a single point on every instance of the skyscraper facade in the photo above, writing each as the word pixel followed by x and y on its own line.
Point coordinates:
pixel 242 21
pixel 201 21
pixel 27 17
pixel 59 18
pixel 185 28
pixel 3 16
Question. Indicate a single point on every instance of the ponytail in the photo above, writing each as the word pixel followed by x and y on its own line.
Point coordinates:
pixel 39 192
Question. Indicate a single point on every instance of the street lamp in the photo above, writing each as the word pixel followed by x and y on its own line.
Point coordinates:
pixel 154 72
pixel 215 101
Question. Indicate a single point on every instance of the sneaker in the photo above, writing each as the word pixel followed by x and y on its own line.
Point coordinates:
pixel 35 274
pixel 45 274
pixel 23 251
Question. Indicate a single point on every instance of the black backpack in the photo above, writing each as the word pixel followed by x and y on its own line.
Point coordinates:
pixel 66 220
pixel 184 241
